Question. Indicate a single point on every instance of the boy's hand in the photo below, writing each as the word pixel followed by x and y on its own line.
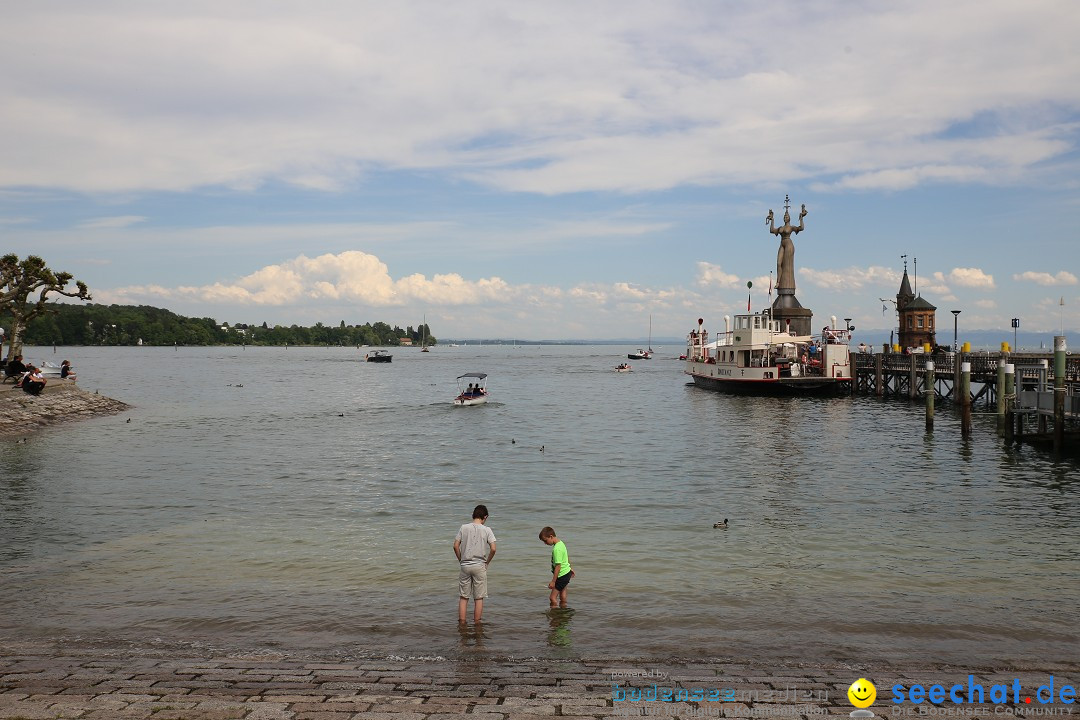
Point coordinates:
pixel 551 585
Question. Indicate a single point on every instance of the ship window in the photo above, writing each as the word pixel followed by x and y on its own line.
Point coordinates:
pixel 757 322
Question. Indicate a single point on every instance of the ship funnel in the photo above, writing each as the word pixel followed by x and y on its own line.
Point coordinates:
pixel 727 323
pixel 832 319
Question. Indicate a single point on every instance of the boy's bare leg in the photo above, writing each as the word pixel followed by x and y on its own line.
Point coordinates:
pixel 553 597
pixel 478 609
pixel 463 603
pixel 562 598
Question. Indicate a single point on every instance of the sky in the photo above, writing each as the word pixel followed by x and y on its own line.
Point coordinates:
pixel 547 170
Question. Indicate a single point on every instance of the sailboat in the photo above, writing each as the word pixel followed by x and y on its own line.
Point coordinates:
pixel 423 336
pixel 643 354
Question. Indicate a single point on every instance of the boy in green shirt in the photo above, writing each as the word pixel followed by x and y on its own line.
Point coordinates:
pixel 561 572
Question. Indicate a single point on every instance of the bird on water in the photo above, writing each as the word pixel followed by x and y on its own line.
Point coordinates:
pixel 721 524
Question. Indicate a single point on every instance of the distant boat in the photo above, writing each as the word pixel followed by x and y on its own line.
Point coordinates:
pixel 623 367
pixel 643 354
pixel 379 356
pixel 423 336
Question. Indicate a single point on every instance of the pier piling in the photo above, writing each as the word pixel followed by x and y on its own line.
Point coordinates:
pixel 1006 399
pixel 1059 394
pixel 1001 412
pixel 965 399
pixel 930 390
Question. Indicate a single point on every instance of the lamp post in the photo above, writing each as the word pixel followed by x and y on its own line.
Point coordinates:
pixel 1015 324
pixel 955 314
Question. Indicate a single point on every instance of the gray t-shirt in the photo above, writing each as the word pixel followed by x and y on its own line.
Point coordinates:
pixel 476 542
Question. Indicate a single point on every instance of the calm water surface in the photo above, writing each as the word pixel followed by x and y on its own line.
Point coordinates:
pixel 299 499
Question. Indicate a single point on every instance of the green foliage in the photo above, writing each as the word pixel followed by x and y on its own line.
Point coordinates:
pixel 93 324
pixel 21 279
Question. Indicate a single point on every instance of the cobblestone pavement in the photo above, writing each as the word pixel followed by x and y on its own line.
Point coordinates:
pixel 126 685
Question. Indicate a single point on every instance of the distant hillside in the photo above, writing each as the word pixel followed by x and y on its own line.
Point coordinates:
pixel 131 324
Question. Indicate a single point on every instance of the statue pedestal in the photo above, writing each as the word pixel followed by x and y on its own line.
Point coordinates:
pixel 787 310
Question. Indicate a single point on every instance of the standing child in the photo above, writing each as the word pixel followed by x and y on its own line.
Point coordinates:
pixel 561 572
pixel 472 545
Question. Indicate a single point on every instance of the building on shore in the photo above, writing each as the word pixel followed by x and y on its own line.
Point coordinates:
pixel 918 318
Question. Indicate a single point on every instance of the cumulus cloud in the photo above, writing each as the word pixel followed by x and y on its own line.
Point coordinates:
pixel 351 276
pixel 1044 278
pixel 714 275
pixel 851 278
pixel 971 277
pixel 173 97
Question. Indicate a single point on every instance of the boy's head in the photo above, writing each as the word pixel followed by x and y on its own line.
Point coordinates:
pixel 547 535
pixel 479 512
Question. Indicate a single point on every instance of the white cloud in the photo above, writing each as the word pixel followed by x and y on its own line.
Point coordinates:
pixel 119 221
pixel 714 275
pixel 986 304
pixel 970 277
pixel 351 276
pixel 852 278
pixel 173 97
pixel 1044 278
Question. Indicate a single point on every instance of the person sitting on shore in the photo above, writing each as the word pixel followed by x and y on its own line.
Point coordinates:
pixel 33 381
pixel 15 369
pixel 66 370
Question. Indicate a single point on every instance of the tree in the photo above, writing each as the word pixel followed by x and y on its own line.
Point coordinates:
pixel 21 278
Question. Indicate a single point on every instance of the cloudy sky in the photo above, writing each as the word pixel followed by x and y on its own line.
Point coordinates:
pixel 546 170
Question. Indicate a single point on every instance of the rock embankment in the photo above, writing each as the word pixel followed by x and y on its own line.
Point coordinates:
pixel 61 401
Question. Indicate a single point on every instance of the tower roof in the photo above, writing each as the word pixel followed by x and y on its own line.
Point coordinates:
pixel 905 286
pixel 919 304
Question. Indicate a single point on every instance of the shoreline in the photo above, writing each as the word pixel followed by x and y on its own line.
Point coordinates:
pixel 61 401
pixel 49 678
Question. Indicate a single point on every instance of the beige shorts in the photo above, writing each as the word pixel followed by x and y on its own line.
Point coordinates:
pixel 472 582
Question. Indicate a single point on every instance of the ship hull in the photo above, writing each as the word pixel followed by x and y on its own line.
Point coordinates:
pixel 802 386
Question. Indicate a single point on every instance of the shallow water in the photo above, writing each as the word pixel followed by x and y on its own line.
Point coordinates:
pixel 301 499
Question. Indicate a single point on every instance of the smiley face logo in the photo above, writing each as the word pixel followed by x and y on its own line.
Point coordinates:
pixel 862 693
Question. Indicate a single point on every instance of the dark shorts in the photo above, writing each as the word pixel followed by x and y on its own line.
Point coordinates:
pixel 563 581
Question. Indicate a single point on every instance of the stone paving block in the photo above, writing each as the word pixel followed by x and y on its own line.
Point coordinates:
pixel 359 686
pixel 369 715
pixel 27 712
pixel 270 711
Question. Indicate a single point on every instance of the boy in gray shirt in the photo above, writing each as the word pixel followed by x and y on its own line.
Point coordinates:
pixel 472 545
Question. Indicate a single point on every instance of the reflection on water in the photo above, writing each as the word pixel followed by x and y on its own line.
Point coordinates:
pixel 472 635
pixel 303 499
pixel 559 620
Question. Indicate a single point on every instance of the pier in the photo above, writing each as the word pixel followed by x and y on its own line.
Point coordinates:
pixel 1020 386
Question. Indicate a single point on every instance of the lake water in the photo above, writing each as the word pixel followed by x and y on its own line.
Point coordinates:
pixel 302 500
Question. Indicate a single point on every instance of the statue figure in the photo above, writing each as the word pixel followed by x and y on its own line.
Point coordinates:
pixel 785 257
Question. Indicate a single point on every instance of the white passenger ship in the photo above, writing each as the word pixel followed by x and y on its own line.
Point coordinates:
pixel 758 357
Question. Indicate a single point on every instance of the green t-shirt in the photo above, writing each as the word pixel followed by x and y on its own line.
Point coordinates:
pixel 560 557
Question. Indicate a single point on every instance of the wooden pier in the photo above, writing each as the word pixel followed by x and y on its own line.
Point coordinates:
pixel 1019 385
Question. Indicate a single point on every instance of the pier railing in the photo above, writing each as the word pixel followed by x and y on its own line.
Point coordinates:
pixel 903 374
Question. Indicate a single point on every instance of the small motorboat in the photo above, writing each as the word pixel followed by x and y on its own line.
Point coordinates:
pixel 640 354
pixel 475 393
pixel 382 356
pixel 49 370
pixel 623 367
